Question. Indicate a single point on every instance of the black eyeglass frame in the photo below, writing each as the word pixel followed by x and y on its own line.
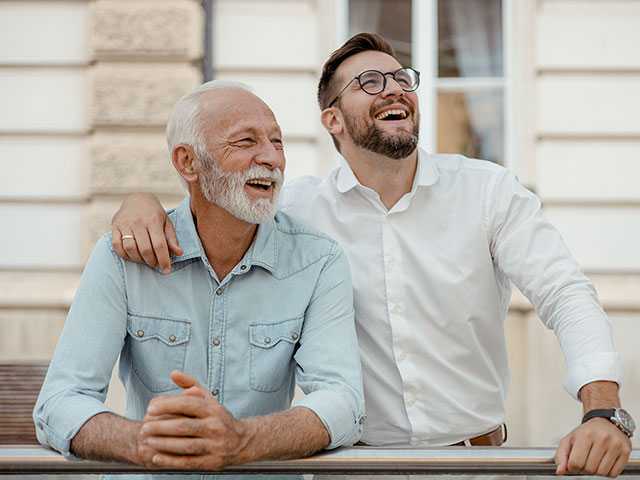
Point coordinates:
pixel 384 82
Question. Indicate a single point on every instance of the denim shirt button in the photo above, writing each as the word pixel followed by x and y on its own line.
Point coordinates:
pixel 140 333
pixel 215 341
pixel 219 291
pixel 294 336
pixel 243 267
pixel 267 340
pixel 215 392
pixel 172 338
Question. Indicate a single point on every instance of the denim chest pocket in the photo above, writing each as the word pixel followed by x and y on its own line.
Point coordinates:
pixel 271 352
pixel 157 346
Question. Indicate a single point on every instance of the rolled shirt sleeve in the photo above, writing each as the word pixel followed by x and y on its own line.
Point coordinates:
pixel 78 377
pixel 532 254
pixel 328 360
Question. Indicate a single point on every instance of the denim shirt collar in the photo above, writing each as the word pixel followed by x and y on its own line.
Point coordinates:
pixel 426 173
pixel 263 251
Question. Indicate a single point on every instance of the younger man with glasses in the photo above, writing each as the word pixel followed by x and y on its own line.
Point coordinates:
pixel 434 242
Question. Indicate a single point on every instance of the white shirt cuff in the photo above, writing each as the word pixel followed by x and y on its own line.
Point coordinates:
pixel 604 366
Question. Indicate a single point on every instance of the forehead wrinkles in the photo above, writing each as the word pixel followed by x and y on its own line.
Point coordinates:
pixel 228 118
pixel 255 122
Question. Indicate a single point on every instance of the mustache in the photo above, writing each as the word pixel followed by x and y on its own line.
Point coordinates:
pixel 258 171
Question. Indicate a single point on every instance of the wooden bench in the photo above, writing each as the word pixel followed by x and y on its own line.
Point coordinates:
pixel 19 387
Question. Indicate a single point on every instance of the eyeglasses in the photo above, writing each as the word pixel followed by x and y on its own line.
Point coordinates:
pixel 373 81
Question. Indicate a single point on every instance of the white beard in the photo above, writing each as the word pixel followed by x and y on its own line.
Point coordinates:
pixel 227 191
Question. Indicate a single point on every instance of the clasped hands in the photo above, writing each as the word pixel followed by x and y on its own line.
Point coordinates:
pixel 190 431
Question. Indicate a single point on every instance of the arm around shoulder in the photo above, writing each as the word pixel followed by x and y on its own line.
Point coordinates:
pixel 143 233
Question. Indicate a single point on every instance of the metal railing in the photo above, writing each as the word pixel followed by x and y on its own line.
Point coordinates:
pixel 21 459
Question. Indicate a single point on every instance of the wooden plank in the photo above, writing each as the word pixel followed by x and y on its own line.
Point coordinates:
pixel 20 384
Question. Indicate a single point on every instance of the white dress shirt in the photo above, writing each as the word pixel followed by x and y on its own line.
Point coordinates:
pixel 432 288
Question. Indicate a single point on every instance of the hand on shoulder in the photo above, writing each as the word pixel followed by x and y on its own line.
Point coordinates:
pixel 143 233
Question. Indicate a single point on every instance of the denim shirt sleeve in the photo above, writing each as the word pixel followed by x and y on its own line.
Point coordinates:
pixel 328 360
pixel 79 373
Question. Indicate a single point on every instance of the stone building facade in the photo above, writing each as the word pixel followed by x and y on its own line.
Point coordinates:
pixel 86 86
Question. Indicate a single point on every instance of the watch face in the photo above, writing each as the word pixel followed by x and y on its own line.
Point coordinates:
pixel 625 419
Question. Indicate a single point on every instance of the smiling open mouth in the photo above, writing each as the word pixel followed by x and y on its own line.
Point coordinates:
pixel 391 115
pixel 261 184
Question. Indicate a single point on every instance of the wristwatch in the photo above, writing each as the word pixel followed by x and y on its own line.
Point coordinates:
pixel 618 416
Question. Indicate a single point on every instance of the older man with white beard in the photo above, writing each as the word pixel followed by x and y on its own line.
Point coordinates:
pixel 255 303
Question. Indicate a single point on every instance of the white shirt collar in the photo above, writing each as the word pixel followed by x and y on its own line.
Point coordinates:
pixel 426 173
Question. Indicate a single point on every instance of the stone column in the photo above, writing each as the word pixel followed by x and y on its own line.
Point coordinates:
pixel 147 55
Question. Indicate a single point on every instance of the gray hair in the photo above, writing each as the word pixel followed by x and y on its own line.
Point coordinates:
pixel 184 126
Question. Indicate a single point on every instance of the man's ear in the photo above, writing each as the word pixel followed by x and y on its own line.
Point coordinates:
pixel 184 161
pixel 332 120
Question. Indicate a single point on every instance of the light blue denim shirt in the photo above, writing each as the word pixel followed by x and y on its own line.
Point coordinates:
pixel 283 315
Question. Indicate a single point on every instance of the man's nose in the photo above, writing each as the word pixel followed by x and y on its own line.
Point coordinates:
pixel 269 156
pixel 392 87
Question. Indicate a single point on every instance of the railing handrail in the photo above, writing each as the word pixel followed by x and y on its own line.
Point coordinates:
pixel 23 459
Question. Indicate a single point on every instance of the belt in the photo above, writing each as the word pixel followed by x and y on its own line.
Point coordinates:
pixel 494 438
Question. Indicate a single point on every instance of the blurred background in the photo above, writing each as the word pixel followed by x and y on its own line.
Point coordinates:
pixel 548 88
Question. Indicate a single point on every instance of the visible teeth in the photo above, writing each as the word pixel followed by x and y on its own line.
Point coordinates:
pixel 385 114
pixel 266 183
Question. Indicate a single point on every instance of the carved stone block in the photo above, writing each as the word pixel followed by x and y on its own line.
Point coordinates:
pixel 124 163
pixel 139 95
pixel 142 28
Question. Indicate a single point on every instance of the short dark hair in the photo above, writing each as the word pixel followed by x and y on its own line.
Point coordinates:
pixel 361 42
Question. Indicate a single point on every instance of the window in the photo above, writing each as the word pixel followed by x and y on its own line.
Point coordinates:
pixel 458 47
pixel 389 18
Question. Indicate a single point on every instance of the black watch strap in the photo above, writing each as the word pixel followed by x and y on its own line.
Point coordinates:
pixel 607 413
